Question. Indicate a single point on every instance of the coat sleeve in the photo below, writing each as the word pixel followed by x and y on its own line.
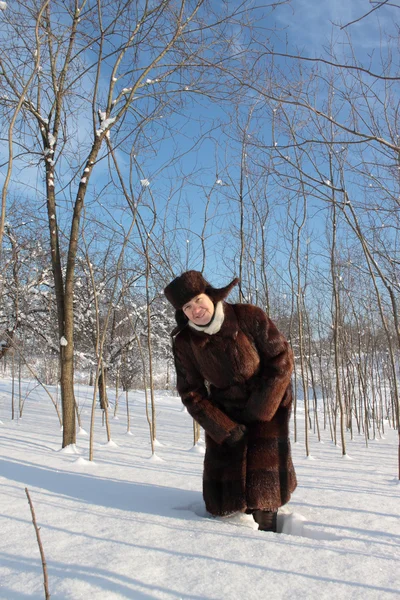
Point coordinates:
pixel 268 390
pixel 192 390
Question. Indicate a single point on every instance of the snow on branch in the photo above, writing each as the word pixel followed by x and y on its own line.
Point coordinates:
pixel 105 122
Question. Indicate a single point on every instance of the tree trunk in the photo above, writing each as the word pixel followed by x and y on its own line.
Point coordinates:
pixel 67 395
pixel 103 398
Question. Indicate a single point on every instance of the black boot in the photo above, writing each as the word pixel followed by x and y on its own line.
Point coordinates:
pixel 266 519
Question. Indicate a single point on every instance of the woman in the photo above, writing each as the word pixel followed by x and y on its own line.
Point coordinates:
pixel 233 374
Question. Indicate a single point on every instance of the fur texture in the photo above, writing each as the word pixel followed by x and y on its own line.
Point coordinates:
pixel 247 365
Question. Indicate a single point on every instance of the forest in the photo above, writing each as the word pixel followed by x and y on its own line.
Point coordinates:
pixel 140 139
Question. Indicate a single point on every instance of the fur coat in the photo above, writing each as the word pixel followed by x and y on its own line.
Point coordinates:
pixel 240 374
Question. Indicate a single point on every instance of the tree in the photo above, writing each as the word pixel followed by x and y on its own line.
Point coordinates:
pixel 72 73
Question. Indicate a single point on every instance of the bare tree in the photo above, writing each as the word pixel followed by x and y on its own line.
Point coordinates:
pixel 65 66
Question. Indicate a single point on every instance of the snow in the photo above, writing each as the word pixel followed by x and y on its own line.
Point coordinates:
pixel 104 122
pixel 111 444
pixel 84 462
pixel 63 341
pixel 155 458
pixel 144 182
pixel 107 122
pixel 52 140
pixel 3 5
pixel 128 525
pixel 197 448
pixel 71 449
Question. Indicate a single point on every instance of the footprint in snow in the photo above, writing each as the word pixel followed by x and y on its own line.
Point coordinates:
pixel 289 523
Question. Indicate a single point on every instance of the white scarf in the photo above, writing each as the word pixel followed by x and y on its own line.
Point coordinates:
pixel 216 322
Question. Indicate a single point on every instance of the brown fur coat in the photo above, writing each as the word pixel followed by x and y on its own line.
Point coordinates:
pixel 248 365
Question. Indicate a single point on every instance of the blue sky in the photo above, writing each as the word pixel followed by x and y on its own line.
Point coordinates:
pixel 309 23
pixel 308 27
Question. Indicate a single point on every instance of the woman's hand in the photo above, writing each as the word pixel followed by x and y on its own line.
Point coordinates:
pixel 236 435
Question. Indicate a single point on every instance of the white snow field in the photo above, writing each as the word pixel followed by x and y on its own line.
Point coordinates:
pixel 127 526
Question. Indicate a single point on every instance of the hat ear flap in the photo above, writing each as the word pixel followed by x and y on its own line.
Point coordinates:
pixel 181 320
pixel 180 317
pixel 218 294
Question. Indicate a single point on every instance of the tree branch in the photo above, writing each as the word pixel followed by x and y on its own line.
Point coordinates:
pixel 39 541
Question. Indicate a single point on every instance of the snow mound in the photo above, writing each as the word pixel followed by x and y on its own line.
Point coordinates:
pixel 83 462
pixel 196 449
pixel 155 458
pixel 110 444
pixel 291 523
pixel 238 520
pixel 295 524
pixel 71 449
pixel 82 431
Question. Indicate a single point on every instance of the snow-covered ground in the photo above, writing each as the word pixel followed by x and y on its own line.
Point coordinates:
pixel 129 526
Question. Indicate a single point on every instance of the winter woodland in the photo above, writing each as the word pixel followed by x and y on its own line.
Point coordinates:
pixel 140 139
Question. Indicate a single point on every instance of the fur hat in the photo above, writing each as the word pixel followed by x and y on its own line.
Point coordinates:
pixel 191 284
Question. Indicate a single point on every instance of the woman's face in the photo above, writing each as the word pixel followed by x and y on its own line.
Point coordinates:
pixel 199 309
